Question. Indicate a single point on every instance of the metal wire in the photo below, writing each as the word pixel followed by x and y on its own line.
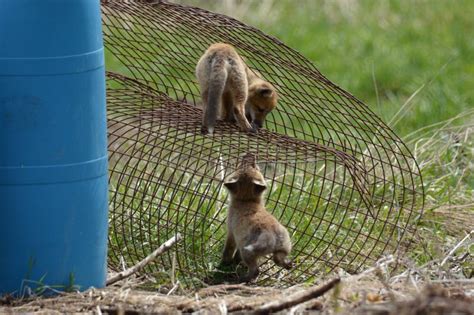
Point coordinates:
pixel 342 182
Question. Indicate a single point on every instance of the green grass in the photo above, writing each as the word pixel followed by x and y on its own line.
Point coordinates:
pixel 411 62
pixel 165 179
pixel 380 51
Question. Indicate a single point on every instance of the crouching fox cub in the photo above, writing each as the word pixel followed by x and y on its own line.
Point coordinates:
pixel 252 231
pixel 231 91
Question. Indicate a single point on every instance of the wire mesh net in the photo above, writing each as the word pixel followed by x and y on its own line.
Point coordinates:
pixel 342 183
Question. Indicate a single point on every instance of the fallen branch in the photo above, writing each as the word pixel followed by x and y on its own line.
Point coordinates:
pixel 296 298
pixel 130 271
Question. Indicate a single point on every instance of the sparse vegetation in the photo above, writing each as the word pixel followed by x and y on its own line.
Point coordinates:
pixel 412 62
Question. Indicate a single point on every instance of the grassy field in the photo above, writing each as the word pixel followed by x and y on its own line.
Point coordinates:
pixel 412 62
pixel 383 52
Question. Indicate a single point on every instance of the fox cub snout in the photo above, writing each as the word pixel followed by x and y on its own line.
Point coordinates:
pixel 231 91
pixel 252 231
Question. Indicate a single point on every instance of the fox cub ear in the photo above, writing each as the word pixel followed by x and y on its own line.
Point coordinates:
pixel 259 185
pixel 266 92
pixel 230 183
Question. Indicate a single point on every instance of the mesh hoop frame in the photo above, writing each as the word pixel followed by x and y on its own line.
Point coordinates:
pixel 342 182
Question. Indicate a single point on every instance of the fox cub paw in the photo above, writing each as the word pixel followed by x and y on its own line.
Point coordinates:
pixel 288 264
pixel 253 129
pixel 255 126
pixel 207 130
pixel 248 279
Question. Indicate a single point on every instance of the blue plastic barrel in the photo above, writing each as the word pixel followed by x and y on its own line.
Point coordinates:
pixel 53 146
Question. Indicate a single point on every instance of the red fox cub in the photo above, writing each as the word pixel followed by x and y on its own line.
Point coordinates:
pixel 252 231
pixel 231 91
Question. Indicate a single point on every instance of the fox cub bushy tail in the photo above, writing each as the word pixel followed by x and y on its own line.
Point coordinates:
pixel 252 232
pixel 231 91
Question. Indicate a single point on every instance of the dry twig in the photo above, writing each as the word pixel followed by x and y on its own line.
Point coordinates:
pixel 297 298
pixel 451 252
pixel 130 271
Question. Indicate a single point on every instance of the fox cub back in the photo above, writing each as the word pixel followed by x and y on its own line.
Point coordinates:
pixel 252 232
pixel 231 91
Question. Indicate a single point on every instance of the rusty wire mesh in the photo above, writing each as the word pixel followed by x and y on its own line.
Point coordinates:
pixel 340 180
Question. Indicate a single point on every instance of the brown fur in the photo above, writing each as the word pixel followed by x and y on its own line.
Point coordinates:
pixel 231 91
pixel 262 99
pixel 252 231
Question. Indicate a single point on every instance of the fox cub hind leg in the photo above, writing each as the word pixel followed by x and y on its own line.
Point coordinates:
pixel 205 127
pixel 250 259
pixel 258 245
pixel 227 107
pixel 212 92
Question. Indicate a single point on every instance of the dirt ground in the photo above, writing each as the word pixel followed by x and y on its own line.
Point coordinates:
pixel 368 293
pixel 392 286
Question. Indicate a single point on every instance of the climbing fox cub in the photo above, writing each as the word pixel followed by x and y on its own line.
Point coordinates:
pixel 231 91
pixel 252 231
